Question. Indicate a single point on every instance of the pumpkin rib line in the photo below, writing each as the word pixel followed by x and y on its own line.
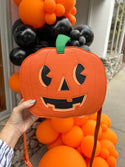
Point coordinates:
pixel 76 60
pixel 46 61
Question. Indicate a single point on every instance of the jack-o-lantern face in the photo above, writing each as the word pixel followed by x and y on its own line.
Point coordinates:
pixel 62 104
pixel 66 84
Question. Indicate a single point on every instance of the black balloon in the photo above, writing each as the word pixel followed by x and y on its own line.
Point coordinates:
pixel 42 44
pixel 17 56
pixel 82 40
pixel 42 34
pixel 62 26
pixel 17 23
pixel 25 36
pixel 80 27
pixel 88 34
pixel 85 47
pixel 75 34
pixel 74 43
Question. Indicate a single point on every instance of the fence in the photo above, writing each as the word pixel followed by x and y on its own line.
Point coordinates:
pixel 117 28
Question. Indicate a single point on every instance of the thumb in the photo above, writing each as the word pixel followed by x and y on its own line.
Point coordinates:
pixel 23 105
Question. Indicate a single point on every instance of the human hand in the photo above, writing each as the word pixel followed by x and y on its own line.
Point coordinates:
pixel 19 122
pixel 21 118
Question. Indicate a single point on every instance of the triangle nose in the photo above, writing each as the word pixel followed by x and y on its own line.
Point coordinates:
pixel 64 86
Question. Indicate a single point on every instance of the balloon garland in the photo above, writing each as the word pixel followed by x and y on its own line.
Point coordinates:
pixel 39 25
pixel 37 13
pixel 78 134
pixel 41 22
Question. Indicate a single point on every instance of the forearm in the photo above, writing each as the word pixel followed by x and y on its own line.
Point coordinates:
pixel 10 135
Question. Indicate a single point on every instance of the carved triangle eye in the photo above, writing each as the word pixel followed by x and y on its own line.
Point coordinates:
pixel 79 78
pixel 45 79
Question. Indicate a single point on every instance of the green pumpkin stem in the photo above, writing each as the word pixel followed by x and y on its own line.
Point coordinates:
pixel 61 42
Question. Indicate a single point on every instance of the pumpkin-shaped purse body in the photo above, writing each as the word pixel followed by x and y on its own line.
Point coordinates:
pixel 65 81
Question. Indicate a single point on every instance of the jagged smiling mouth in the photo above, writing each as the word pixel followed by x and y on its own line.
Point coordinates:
pixel 63 105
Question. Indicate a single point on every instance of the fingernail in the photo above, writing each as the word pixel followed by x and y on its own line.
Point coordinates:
pixel 32 101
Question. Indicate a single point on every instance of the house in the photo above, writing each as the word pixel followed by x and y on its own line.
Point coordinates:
pixel 106 18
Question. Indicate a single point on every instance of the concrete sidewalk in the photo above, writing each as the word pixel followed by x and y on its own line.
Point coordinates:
pixel 114 107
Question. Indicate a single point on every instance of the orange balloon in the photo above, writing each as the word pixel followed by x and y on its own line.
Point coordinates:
pixel 104 153
pixel 109 146
pixel 14 83
pixel 31 13
pixel 62 125
pixel 104 127
pixel 49 6
pixel 50 18
pixel 93 116
pixel 73 12
pixel 17 2
pixel 62 156
pixel 87 146
pixel 105 120
pixel 73 137
pixel 89 128
pixel 109 134
pixel 60 10
pixel 115 154
pixel 58 142
pixel 111 161
pixel 78 148
pixel 71 18
pixel 99 162
pixel 80 121
pixel 45 133
pixel 68 4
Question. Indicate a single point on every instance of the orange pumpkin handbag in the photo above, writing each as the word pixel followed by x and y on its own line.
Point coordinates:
pixel 65 81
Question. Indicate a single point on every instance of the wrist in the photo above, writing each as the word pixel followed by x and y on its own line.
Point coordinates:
pixel 15 127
